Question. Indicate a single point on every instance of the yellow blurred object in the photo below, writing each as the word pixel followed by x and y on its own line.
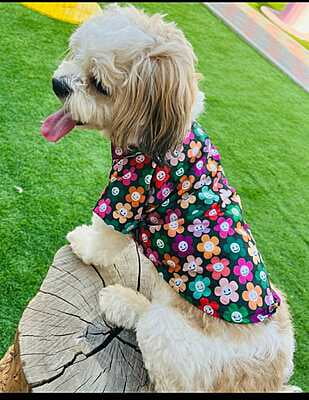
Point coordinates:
pixel 74 13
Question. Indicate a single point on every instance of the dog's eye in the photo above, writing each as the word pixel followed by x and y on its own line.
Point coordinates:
pixel 100 88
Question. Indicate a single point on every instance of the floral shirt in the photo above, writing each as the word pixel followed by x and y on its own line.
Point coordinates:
pixel 189 223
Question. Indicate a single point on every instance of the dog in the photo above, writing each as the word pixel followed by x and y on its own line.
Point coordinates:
pixel 212 321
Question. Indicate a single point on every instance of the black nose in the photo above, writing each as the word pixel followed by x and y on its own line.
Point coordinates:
pixel 60 88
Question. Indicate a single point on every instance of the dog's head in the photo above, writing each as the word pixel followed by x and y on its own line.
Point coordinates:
pixel 130 75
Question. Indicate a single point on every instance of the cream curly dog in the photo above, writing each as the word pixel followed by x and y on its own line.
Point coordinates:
pixel 210 320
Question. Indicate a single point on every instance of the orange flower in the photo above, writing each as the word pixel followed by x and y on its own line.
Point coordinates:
pixel 252 295
pixel 174 227
pixel 195 151
pixel 185 184
pixel 178 282
pixel 253 251
pixel 186 199
pixel 122 212
pixel 209 246
pixel 242 231
pixel 136 196
pixel 213 167
pixel 172 262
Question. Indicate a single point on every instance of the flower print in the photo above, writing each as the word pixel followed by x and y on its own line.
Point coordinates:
pixel 218 267
pixel 135 196
pixel 117 152
pixel 205 180
pixel 129 176
pixel 253 296
pixel 103 208
pixel 185 184
pixel 199 227
pixel 214 153
pixel 259 316
pixel 176 156
pixel 209 307
pixel 178 282
pixel 243 269
pixel 236 198
pixel 225 195
pixel 224 227
pixel 213 167
pixel 145 236
pixel 189 136
pixel 186 199
pixel 236 314
pixel 177 173
pixel 194 212
pixel 173 222
pixel 217 183
pixel 122 212
pixel 152 255
pixel 253 251
pixel 172 262
pixel 227 291
pixel 234 212
pixel 241 230
pixel 193 266
pixel 199 167
pixel 208 195
pixel 269 298
pixel 155 218
pixel 199 287
pixel 183 245
pixel 261 276
pixel 139 161
pixel 213 212
pixel 234 248
pixel 118 166
pixel 195 151
pixel 165 191
pixel 161 175
pixel 160 243
pixel 208 246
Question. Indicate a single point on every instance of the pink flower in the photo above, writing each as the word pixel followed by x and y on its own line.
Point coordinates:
pixel 189 136
pixel 120 164
pixel 243 270
pixel 152 255
pixel 218 267
pixel 129 176
pixel 165 191
pixel 103 208
pixel 227 291
pixel 224 227
pixel 193 266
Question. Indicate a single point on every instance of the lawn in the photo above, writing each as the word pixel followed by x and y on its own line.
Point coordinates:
pixel 256 115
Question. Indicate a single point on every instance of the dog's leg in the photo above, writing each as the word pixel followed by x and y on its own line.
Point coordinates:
pixel 172 350
pixel 98 243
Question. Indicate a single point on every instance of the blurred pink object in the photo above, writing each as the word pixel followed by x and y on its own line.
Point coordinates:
pixel 294 19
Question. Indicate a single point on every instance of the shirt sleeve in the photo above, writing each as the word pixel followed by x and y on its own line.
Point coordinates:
pixel 123 201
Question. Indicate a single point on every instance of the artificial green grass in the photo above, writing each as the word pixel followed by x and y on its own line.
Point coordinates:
pixel 255 114
pixel 279 6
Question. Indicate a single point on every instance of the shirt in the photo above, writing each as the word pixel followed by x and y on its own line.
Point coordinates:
pixel 189 222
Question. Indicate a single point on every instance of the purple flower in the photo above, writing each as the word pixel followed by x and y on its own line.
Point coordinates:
pixel 152 255
pixel 165 191
pixel 199 167
pixel 183 245
pixel 244 270
pixel 224 227
pixel 199 227
pixel 259 315
pixel 172 215
pixel 214 153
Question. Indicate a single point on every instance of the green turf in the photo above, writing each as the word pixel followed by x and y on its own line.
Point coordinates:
pixel 256 115
pixel 279 6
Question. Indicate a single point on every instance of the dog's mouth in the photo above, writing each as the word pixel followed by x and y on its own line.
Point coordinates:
pixel 58 125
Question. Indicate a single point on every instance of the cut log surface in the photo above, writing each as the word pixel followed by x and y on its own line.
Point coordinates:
pixel 65 344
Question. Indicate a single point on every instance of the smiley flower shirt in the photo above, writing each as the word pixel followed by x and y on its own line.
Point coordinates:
pixel 189 223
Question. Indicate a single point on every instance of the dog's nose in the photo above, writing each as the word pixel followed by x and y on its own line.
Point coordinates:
pixel 60 88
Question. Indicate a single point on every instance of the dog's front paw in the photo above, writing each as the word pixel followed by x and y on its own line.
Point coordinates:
pixel 79 240
pixel 122 306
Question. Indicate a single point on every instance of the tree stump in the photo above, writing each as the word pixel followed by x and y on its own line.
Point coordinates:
pixel 63 344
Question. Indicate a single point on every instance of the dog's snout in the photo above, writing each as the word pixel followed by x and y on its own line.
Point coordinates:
pixel 60 88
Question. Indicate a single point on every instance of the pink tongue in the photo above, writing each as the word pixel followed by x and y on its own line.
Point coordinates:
pixel 57 125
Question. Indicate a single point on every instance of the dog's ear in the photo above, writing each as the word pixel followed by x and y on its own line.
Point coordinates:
pixel 155 111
